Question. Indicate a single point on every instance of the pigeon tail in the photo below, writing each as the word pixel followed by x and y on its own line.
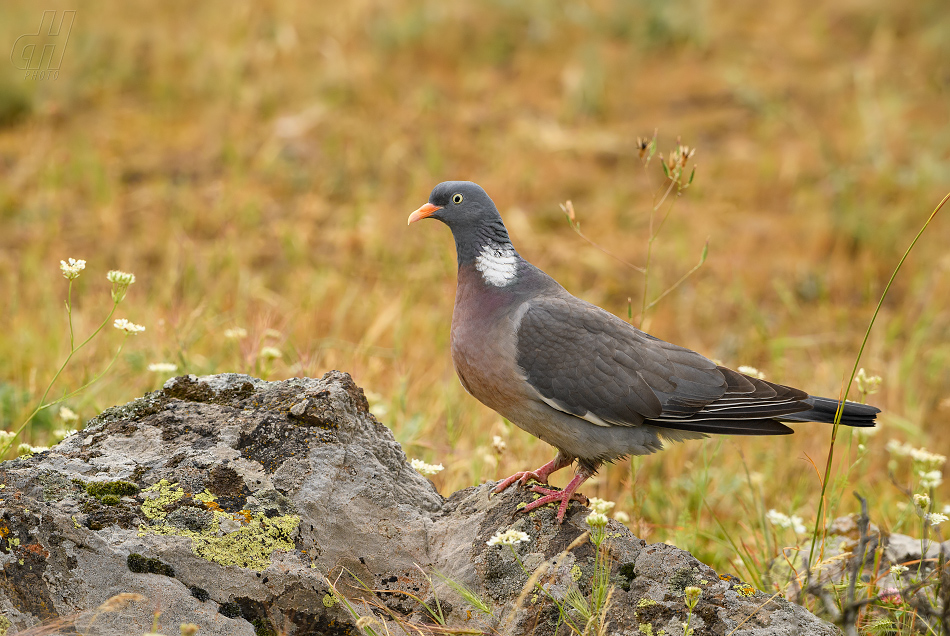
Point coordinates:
pixel 824 410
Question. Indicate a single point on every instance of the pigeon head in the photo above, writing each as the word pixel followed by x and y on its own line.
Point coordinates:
pixel 458 204
pixel 471 215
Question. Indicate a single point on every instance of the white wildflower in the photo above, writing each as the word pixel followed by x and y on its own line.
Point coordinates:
pixel 622 516
pixel 922 500
pixel 128 327
pixel 5 437
pixel 692 594
pixel 120 283
pixel 920 455
pixel 62 433
pixel 235 333
pixel 426 469
pixel 597 519
pixel 751 371
pixel 72 268
pixel 896 448
pixel 780 520
pixel 163 367
pixel 936 518
pixel 601 505
pixel 930 479
pixel 498 444
pixel 25 450
pixel 509 537
pixel 68 415
pixel 928 459
pixel 270 353
pixel 867 384
pixel 897 570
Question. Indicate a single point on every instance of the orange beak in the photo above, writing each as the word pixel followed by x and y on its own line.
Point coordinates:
pixel 424 212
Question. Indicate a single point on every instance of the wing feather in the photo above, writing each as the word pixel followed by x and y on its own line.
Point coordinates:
pixel 587 362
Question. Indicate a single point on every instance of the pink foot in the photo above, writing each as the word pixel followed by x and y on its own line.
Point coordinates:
pixel 540 474
pixel 522 478
pixel 564 497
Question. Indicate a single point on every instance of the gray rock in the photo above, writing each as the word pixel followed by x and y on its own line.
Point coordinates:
pixel 235 504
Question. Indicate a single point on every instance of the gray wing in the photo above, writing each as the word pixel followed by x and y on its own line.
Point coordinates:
pixel 587 362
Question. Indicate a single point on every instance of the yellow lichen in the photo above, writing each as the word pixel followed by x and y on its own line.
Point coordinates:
pixel 205 497
pixel 646 629
pixel 646 602
pixel 248 547
pixel 744 589
pixel 576 572
pixel 166 494
pixel 328 600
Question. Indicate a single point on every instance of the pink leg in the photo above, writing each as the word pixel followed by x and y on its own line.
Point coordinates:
pixel 541 474
pixel 563 496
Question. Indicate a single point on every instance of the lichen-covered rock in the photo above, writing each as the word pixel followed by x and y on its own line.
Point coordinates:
pixel 251 507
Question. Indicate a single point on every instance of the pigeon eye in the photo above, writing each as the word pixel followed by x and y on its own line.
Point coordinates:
pixel 456 199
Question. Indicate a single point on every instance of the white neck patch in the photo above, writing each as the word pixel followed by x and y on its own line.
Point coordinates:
pixel 498 264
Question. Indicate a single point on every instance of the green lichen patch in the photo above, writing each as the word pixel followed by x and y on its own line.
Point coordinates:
pixel 681 579
pixel 57 487
pixel 158 497
pixel 249 546
pixel 146 565
pixel 100 489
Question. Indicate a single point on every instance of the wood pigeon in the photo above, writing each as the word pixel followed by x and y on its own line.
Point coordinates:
pixel 578 377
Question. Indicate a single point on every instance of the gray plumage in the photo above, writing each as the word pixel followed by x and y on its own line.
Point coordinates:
pixel 580 378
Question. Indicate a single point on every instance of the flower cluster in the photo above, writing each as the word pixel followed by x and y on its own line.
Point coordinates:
pixel 72 268
pixel 120 284
pixel 898 570
pixel 509 537
pixel 692 594
pixel 930 478
pixel 128 327
pixel 68 415
pixel 780 520
pixel 235 333
pixel 270 353
pixel 601 505
pixel 597 520
pixel 426 469
pixel 867 384
pixel 922 500
pixel 498 444
pixel 919 455
pixel 936 518
pixel 163 367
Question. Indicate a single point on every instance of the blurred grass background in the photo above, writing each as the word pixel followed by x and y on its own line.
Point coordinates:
pixel 254 164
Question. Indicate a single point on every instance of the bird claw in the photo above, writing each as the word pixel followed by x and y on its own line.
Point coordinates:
pixel 522 477
pixel 563 497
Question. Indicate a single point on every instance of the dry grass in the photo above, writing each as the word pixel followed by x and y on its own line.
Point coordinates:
pixel 254 165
